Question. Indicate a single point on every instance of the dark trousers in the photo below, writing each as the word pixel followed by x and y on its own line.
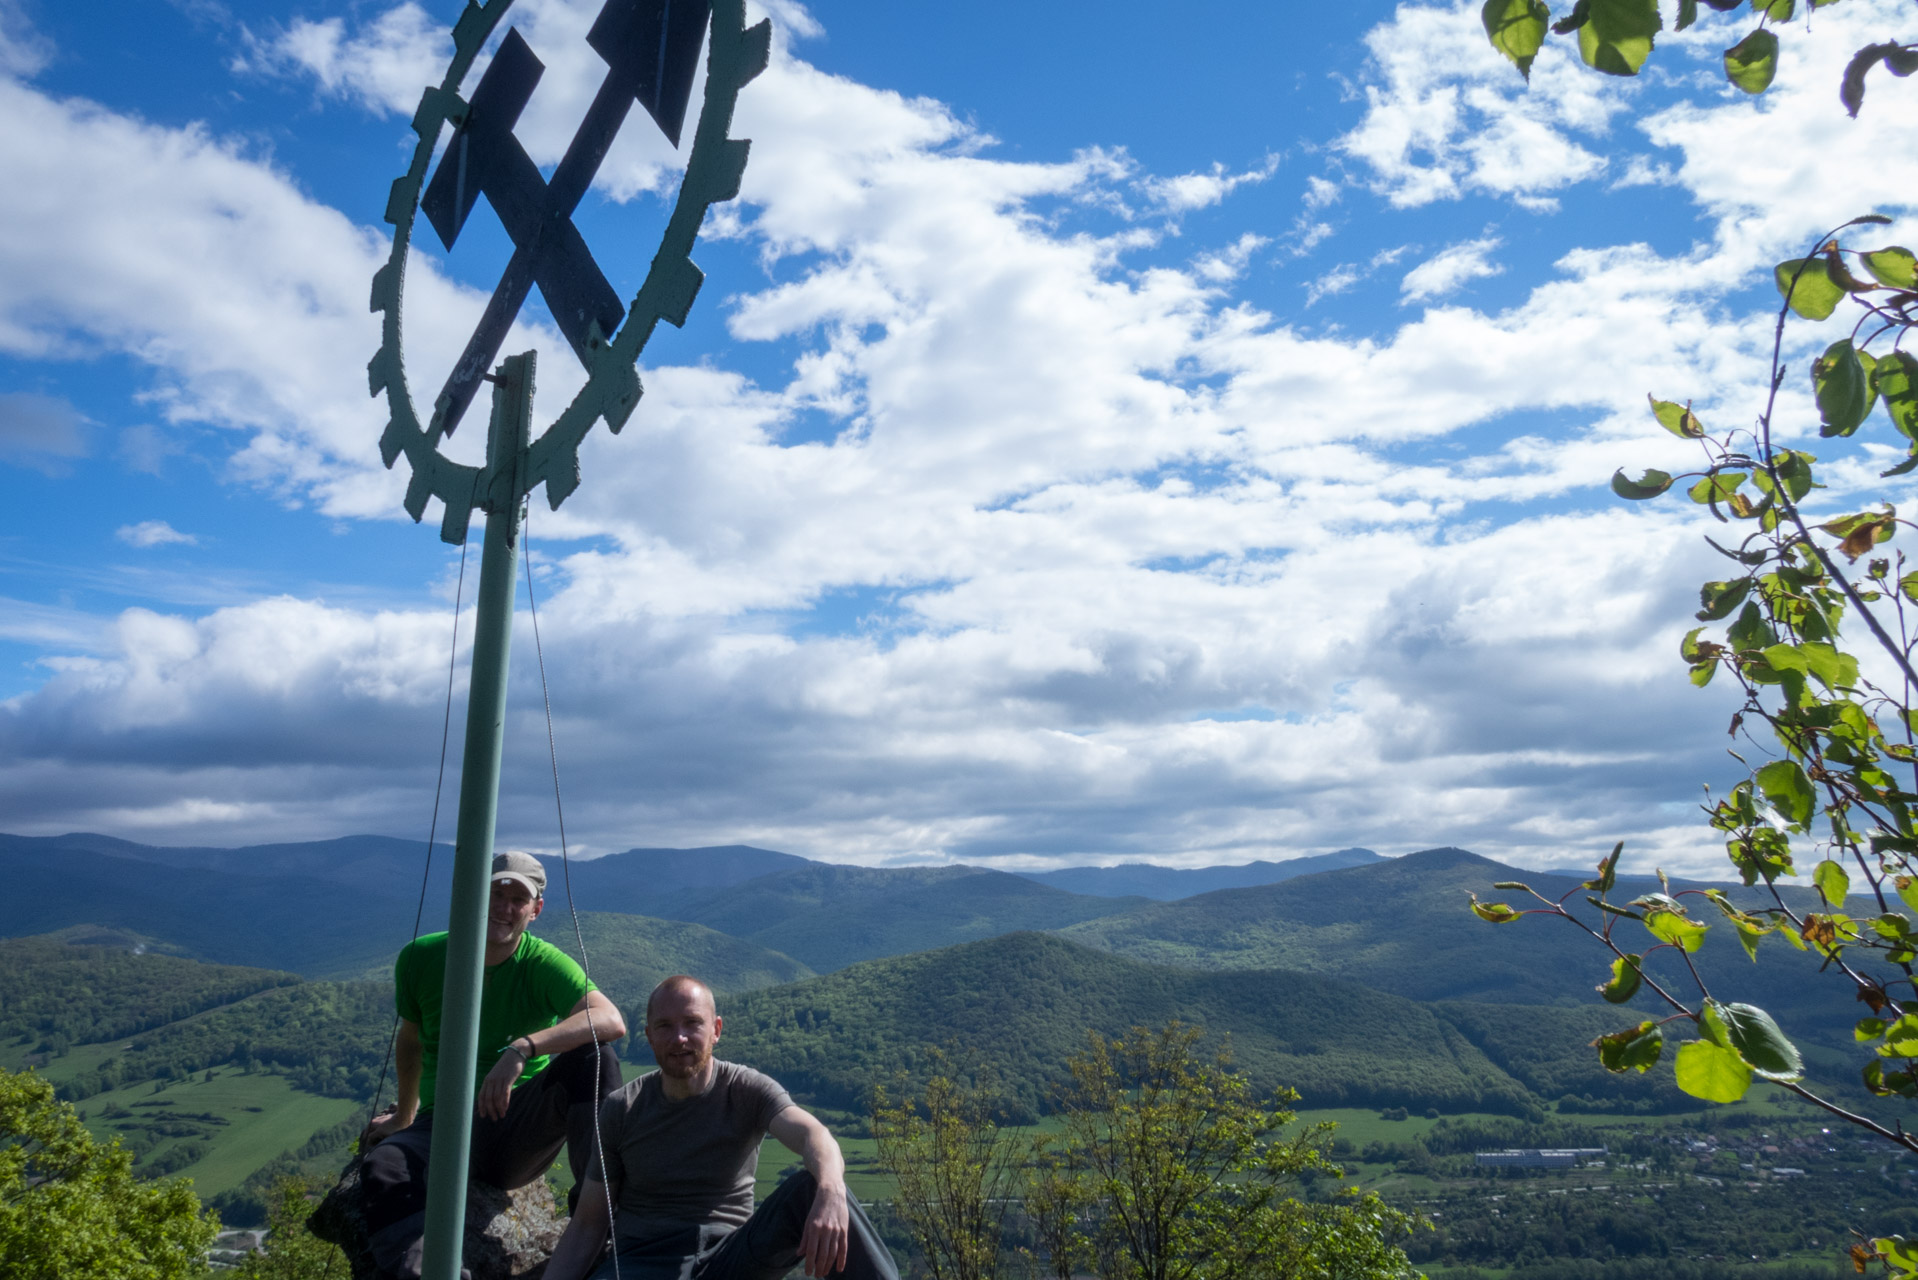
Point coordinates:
pixel 766 1248
pixel 554 1108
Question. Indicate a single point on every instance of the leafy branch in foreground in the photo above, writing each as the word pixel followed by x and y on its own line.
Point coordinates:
pixel 1616 37
pixel 1837 764
pixel 72 1207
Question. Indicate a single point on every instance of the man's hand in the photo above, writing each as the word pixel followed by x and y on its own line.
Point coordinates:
pixel 381 1127
pixel 496 1091
pixel 823 1246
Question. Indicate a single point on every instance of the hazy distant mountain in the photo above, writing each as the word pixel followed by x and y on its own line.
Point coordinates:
pixel 327 908
pixel 830 916
pixel 1143 880
pixel 648 881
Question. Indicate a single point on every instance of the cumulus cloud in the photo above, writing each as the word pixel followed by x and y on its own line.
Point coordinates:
pixel 1446 271
pixel 1188 191
pixel 383 66
pixel 153 533
pixel 1076 491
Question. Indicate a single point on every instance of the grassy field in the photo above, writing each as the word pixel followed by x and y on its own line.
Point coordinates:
pixel 258 1117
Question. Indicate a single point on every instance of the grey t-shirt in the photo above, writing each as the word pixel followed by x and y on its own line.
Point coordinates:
pixel 672 1165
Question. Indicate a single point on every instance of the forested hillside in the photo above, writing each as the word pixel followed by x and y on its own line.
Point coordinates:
pixel 55 994
pixel 1023 1003
pixel 628 954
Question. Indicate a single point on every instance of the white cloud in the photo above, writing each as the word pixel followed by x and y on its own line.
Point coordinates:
pixel 153 533
pixel 1320 192
pixel 1446 271
pixel 384 67
pixel 23 50
pixel 1189 191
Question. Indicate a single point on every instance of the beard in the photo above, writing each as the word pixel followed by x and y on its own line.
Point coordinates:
pixel 683 1066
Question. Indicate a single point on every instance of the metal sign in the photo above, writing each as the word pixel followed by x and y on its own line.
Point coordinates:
pixel 651 50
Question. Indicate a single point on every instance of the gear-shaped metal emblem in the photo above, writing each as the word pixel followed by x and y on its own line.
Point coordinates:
pixel 651 48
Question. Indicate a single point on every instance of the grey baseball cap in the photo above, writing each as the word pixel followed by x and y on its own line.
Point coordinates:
pixel 523 867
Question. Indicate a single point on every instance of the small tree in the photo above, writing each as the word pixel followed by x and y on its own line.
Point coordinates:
pixel 957 1172
pixel 1188 1175
pixel 292 1252
pixel 72 1207
pixel 1056 1205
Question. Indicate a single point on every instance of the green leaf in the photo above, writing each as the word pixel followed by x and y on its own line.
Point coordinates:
pixel 1718 599
pixel 1838 379
pixel 1687 14
pixel 1901 1038
pixel 1816 295
pixel 1633 1049
pixel 1786 785
pixel 1896 379
pixel 1752 62
pixel 1776 10
pixel 1616 37
pixel 1832 881
pixel 1676 928
pixel 1868 1029
pixel 1677 419
pixel 1750 631
pixel 1716 488
pixel 1649 485
pixel 1794 468
pixel 1516 29
pixel 1494 912
pixel 1894 266
pixel 1907 887
pixel 1711 1072
pixel 1757 1039
pixel 1831 667
pixel 1624 981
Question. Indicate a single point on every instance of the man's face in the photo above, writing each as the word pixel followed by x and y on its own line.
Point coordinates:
pixel 682 1029
pixel 512 909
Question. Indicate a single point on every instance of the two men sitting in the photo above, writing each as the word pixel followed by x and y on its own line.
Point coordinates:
pixel 681 1143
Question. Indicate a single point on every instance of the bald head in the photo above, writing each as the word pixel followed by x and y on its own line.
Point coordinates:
pixel 682 1027
pixel 681 987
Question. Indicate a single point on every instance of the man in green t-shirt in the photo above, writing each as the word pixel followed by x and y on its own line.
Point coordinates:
pixel 545 1062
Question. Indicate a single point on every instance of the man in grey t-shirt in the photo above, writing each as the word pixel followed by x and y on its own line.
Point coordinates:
pixel 681 1150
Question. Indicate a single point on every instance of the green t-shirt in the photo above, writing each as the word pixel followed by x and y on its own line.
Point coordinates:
pixel 530 991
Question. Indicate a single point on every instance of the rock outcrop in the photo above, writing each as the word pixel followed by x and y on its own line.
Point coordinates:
pixel 509 1234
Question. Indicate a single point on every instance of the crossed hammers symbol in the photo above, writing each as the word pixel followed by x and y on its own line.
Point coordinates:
pixel 651 48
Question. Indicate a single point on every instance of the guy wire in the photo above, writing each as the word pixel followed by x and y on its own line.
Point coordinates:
pixel 566 871
pixel 433 830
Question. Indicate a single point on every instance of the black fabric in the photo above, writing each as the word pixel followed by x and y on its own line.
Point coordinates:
pixel 553 1109
pixel 766 1248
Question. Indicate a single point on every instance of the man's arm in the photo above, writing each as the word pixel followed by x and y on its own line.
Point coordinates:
pixel 406 1073
pixel 594 1015
pixel 579 1244
pixel 823 1246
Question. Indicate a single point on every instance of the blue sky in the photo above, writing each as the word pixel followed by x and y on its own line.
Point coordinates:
pixel 1106 433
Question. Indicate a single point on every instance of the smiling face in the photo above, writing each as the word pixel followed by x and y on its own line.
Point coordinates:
pixel 512 908
pixel 682 1027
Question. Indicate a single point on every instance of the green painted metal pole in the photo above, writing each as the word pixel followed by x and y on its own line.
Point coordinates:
pixel 454 1085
